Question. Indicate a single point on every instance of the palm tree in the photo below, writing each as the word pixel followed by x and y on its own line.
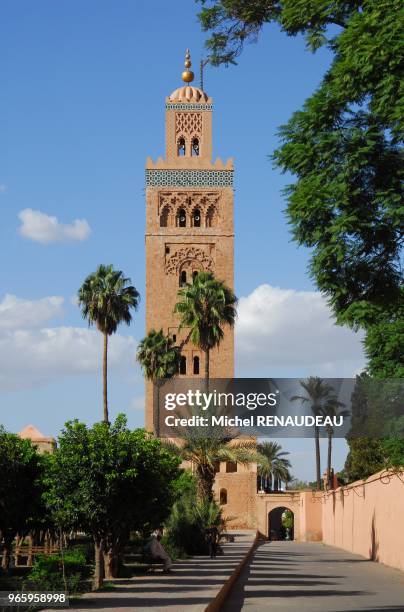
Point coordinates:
pixel 205 307
pixel 159 359
pixel 106 298
pixel 204 450
pixel 332 409
pixel 318 392
pixel 272 463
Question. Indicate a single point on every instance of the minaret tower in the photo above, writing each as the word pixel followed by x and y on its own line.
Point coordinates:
pixel 189 224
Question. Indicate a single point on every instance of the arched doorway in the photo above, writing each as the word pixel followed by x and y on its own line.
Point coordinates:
pixel 281 522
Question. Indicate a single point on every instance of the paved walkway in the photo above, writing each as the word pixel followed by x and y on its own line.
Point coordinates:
pixel 292 576
pixel 190 587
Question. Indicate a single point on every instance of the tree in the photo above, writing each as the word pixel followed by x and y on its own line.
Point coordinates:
pixel 205 447
pixel 108 480
pixel 205 307
pixel 345 149
pixel 106 299
pixel 21 471
pixel 332 409
pixel 317 393
pixel 365 457
pixel 377 427
pixel 159 359
pixel 272 463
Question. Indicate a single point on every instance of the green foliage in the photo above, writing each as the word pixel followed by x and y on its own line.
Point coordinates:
pixel 365 457
pixel 106 298
pixel 345 149
pixel 205 306
pixel 107 480
pixel 272 462
pixel 377 408
pixel 187 524
pixel 21 486
pixel 384 345
pixel 205 447
pixel 184 485
pixel 47 572
pixel 158 356
pixel 377 427
pixel 393 449
pixel 233 23
pixel 287 519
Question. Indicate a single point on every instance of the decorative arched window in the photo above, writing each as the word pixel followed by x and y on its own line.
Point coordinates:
pixel 223 497
pixel 181 218
pixel 183 278
pixel 181 147
pixel 183 365
pixel 194 274
pixel 164 217
pixel 195 147
pixel 196 364
pixel 211 217
pixel 196 218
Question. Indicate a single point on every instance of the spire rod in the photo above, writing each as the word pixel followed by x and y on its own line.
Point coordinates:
pixel 187 75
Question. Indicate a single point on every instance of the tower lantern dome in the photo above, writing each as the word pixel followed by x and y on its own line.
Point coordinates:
pixel 188 93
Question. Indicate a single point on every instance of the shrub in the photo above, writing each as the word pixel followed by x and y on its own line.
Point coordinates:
pixel 47 572
pixel 287 519
pixel 187 524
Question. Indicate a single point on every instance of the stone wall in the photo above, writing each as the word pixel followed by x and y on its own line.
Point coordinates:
pixel 241 490
pixel 367 518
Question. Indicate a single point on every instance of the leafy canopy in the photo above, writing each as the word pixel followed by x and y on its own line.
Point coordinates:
pixel 21 487
pixel 158 356
pixel 108 479
pixel 272 461
pixel 205 306
pixel 106 299
pixel 344 147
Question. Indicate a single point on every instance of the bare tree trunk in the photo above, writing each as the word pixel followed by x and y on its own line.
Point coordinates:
pixel 109 563
pixel 7 548
pixel 111 556
pixel 99 563
pixel 207 370
pixel 318 459
pixel 105 377
pixel 329 454
pixel 207 366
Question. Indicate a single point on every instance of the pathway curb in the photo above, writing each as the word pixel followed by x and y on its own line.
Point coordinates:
pixel 218 601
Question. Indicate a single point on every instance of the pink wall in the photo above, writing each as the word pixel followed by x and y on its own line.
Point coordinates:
pixel 367 518
pixel 310 516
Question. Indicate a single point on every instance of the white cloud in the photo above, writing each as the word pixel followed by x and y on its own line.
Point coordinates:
pixel 3 188
pixel 18 313
pixel 137 403
pixel 43 228
pixel 283 332
pixel 32 354
pixel 34 357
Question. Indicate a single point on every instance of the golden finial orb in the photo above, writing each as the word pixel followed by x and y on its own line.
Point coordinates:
pixel 187 75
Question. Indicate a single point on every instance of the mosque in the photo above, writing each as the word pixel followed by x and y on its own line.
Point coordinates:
pixel 190 228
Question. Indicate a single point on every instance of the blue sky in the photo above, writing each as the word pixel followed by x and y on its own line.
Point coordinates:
pixel 82 106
